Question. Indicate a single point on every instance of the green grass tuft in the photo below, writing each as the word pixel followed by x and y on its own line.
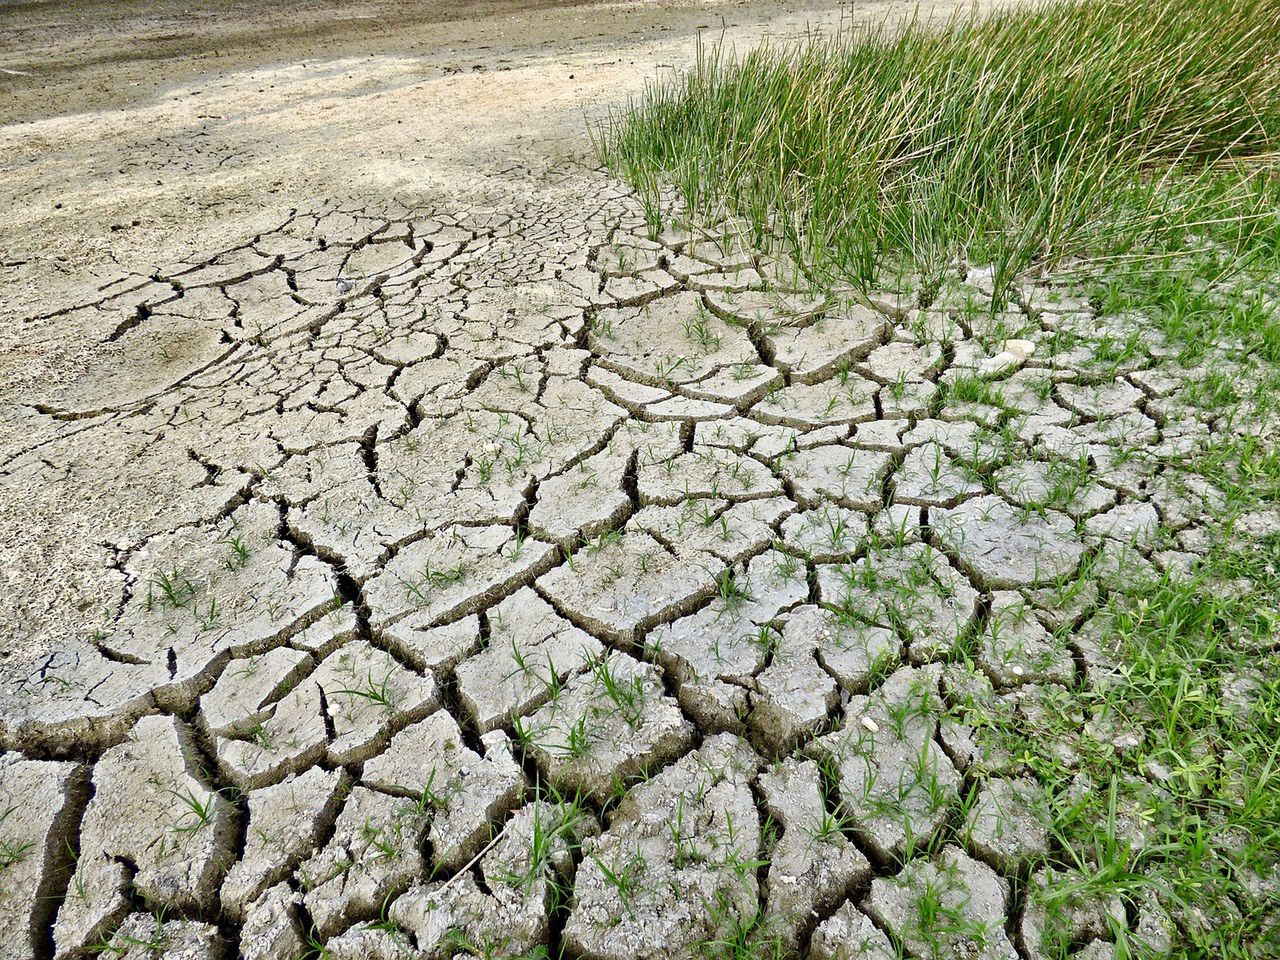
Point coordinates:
pixel 1032 137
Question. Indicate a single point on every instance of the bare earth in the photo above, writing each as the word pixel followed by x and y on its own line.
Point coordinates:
pixel 372 486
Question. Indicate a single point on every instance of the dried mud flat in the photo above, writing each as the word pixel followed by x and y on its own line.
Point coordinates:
pixel 469 579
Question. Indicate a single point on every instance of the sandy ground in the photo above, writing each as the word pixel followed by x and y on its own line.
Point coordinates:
pixel 135 138
pixel 139 132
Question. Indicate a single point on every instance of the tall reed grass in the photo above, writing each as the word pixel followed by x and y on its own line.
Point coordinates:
pixel 1030 137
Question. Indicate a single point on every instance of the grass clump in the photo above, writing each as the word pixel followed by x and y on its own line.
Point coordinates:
pixel 1035 136
pixel 1185 819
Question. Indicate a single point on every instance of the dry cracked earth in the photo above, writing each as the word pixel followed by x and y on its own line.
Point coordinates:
pixel 508 579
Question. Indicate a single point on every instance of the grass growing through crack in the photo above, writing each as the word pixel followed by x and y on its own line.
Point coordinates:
pixel 13 850
pixel 1098 128
pixel 121 945
pixel 1172 795
pixel 1130 148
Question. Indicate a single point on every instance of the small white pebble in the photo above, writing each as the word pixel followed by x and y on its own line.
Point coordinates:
pixel 870 724
pixel 1023 348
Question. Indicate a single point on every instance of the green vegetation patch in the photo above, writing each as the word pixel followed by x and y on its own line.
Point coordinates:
pixel 1032 137
pixel 1126 152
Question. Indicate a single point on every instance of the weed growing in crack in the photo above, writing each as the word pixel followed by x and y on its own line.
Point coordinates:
pixel 740 937
pixel 577 741
pixel 830 826
pixel 766 639
pixel 208 619
pixel 175 588
pixel 122 945
pixel 518 539
pixel 609 538
pixel 419 588
pixel 624 877
pixel 12 851
pixel 197 813
pixel 259 734
pixel 698 329
pixel 239 551
pixel 428 799
pixel 377 839
pixel 385 924
pixel 314 946
pixel 627 696
pixel 379 692
pixel 937 922
pixel 730 593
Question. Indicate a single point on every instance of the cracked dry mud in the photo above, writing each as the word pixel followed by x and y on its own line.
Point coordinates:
pixel 535 506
